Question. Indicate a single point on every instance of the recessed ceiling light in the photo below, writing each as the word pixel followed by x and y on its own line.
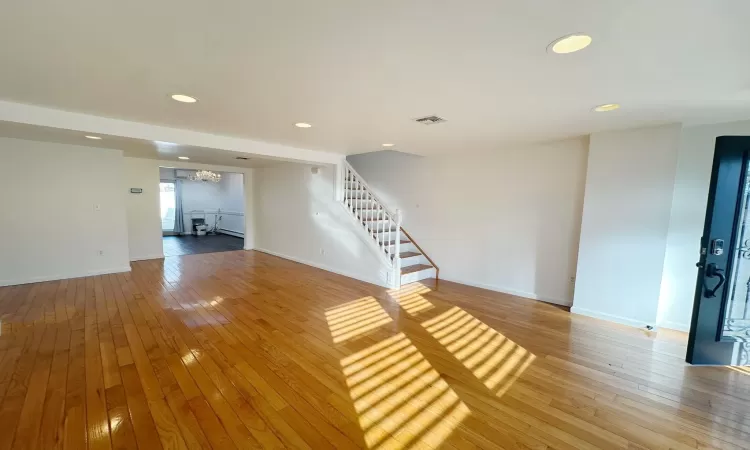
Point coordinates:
pixel 184 98
pixel 387 145
pixel 607 107
pixel 569 44
pixel 182 157
pixel 302 125
pixel 93 137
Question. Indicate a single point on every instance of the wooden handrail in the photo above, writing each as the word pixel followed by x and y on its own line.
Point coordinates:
pixel 437 269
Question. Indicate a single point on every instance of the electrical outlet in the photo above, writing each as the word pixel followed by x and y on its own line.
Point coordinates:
pixel 97 207
pixel 101 252
pixel 572 279
pixel 322 251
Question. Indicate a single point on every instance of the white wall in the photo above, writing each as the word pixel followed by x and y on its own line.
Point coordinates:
pixel 626 211
pixel 146 240
pixel 298 218
pixel 143 209
pixel 232 200
pixel 200 196
pixel 686 220
pixel 507 220
pixel 51 228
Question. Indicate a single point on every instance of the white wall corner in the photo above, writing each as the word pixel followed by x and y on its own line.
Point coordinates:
pixel 338 186
pixel 630 183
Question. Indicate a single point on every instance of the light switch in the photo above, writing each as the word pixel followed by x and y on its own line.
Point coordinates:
pixel 97 207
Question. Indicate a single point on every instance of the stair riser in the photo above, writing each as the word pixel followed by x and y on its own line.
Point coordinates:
pixel 357 193
pixel 364 214
pixel 359 204
pixel 380 225
pixel 416 276
pixel 404 248
pixel 382 238
pixel 413 260
pixel 385 236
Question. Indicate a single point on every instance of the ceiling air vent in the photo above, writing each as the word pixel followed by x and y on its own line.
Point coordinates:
pixel 242 157
pixel 429 120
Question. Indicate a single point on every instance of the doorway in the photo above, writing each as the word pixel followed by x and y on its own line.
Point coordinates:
pixel 202 211
pixel 720 328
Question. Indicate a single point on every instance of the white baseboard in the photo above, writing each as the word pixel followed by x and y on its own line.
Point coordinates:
pixel 145 257
pixel 231 233
pixel 108 271
pixel 610 317
pixel 57 277
pixel 491 287
pixel 675 326
pixel 324 267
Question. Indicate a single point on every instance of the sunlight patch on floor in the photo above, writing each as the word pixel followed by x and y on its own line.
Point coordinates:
pixel 401 400
pixel 410 298
pixel 743 370
pixel 355 318
pixel 494 359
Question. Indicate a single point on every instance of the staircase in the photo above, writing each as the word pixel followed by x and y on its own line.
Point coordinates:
pixel 407 261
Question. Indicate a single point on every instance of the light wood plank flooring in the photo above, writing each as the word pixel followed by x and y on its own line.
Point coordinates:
pixel 246 350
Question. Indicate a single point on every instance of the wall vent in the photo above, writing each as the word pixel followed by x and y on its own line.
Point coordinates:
pixel 429 120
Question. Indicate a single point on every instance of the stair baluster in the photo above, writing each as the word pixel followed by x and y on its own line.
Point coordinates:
pixel 384 227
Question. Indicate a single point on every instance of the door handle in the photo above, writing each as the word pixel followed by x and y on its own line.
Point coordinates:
pixel 712 271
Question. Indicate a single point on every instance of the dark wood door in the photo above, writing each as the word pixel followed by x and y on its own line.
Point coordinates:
pixel 720 328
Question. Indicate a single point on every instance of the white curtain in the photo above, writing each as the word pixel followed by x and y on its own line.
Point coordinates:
pixel 179 218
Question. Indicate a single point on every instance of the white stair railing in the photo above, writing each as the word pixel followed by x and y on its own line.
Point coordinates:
pixel 383 225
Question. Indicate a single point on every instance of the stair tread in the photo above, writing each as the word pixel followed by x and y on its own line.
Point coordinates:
pixel 408 254
pixel 393 242
pixel 414 268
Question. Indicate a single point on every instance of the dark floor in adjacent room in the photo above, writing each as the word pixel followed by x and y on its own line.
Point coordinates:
pixel 191 245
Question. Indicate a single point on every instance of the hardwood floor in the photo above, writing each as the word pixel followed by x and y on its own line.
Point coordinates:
pixel 243 349
pixel 193 245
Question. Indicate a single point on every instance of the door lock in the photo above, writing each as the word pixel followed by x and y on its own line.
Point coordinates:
pixel 717 247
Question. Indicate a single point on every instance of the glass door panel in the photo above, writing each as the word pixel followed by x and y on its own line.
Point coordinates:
pixel 736 324
pixel 167 202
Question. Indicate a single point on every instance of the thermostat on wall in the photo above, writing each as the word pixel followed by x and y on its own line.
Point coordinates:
pixel 136 190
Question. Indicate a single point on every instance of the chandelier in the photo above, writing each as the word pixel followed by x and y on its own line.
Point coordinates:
pixel 205 175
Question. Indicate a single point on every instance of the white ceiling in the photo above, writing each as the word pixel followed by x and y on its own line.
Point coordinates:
pixel 360 71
